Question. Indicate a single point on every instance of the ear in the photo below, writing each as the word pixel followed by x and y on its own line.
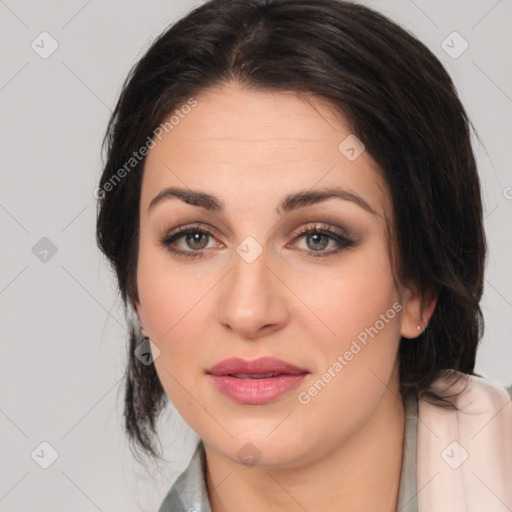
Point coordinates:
pixel 418 307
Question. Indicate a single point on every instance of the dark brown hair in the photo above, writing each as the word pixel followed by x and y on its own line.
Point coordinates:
pixel 398 99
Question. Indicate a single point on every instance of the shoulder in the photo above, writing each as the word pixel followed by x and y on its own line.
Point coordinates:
pixel 474 441
pixel 489 391
pixel 481 406
pixel 472 392
pixel 189 490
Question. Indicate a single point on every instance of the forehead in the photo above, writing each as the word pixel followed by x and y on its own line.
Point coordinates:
pixel 245 143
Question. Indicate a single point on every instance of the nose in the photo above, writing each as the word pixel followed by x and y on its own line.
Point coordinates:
pixel 253 298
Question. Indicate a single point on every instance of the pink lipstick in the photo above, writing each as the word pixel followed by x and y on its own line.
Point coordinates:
pixel 255 382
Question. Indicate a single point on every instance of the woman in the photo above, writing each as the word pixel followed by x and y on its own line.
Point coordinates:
pixel 292 208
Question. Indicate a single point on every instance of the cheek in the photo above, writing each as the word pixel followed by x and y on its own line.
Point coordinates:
pixel 177 311
pixel 165 293
pixel 344 300
pixel 174 317
pixel 357 344
pixel 356 331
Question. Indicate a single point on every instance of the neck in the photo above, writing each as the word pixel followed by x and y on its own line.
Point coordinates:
pixel 361 473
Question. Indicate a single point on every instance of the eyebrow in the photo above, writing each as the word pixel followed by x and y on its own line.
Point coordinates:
pixel 291 202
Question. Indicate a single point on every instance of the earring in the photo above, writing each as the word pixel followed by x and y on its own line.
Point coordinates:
pixel 420 330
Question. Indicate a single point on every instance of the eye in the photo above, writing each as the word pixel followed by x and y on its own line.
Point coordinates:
pixel 196 239
pixel 318 237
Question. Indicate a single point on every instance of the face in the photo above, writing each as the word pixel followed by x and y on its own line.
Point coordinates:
pixel 252 272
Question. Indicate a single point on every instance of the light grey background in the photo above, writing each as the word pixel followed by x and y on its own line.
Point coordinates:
pixel 62 328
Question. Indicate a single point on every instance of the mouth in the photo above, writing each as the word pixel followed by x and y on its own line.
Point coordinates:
pixel 255 382
pixel 255 375
pixel 257 368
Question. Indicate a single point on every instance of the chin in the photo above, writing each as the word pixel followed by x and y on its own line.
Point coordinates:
pixel 261 449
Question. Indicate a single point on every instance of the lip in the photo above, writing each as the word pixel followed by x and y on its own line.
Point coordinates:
pixel 245 389
pixel 256 366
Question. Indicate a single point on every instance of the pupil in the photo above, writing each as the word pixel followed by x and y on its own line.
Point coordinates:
pixel 195 238
pixel 316 238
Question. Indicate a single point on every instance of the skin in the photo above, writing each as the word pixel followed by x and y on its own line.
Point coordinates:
pixel 343 450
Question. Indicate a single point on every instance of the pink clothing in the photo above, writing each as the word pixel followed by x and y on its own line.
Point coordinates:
pixel 464 458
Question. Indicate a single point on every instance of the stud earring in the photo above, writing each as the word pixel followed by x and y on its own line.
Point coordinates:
pixel 420 330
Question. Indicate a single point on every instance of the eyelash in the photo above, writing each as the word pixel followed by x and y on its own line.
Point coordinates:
pixel 321 229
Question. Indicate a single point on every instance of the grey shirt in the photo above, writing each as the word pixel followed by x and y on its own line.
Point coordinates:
pixel 188 494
